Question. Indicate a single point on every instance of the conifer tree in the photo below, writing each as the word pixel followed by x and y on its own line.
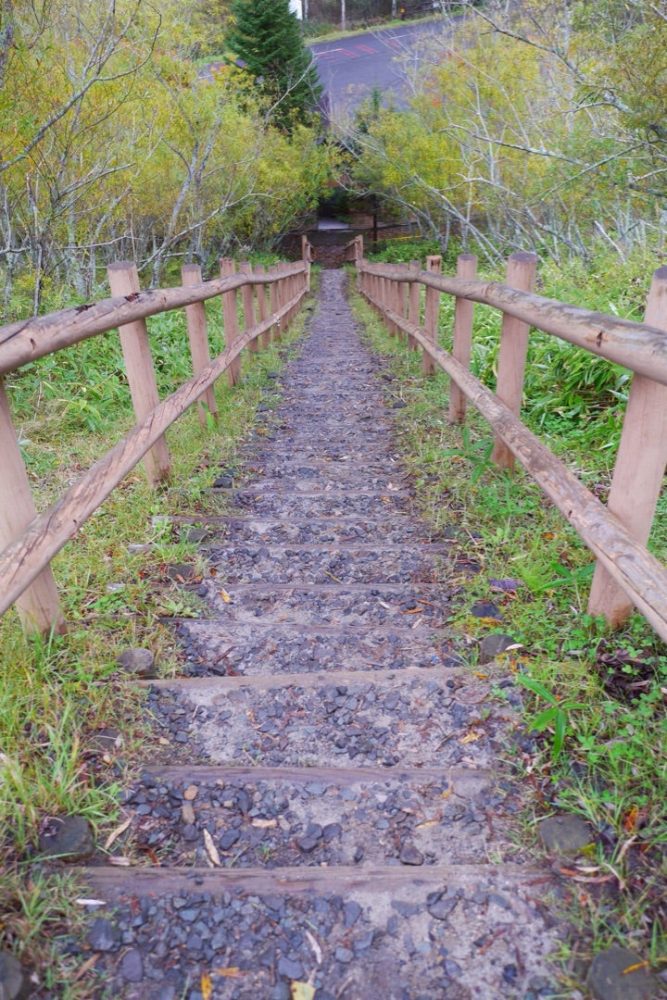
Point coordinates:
pixel 266 35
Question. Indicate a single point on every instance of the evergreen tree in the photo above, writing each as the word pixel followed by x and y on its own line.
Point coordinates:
pixel 266 35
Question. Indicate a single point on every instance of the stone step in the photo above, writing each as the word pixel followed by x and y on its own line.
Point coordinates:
pixel 328 604
pixel 324 504
pixel 211 648
pixel 408 718
pixel 464 932
pixel 246 563
pixel 395 528
pixel 284 817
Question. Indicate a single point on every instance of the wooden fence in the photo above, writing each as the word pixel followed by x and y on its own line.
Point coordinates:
pixel 30 541
pixel 626 574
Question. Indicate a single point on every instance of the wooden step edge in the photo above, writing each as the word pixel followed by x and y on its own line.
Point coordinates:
pixel 274 519
pixel 311 679
pixel 458 777
pixel 425 548
pixel 429 633
pixel 112 882
pixel 257 489
pixel 332 588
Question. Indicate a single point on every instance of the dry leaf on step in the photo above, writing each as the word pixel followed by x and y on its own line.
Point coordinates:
pixel 115 834
pixel 206 986
pixel 225 596
pixel 211 849
pixel 265 824
pixel 302 991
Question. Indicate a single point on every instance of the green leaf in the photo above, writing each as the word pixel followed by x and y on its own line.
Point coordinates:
pixel 545 718
pixel 559 734
pixel 537 688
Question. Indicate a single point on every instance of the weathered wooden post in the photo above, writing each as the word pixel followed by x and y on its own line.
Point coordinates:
pixel 414 302
pixel 466 268
pixel 195 315
pixel 521 271
pixel 230 319
pixel 124 280
pixel 431 313
pixel 248 297
pixel 262 306
pixel 38 606
pixel 306 257
pixel 640 465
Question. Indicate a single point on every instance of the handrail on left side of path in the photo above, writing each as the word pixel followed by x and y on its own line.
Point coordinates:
pixel 28 542
pixel 627 575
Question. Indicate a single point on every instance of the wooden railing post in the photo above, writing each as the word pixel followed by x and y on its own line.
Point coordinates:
pixel 195 315
pixel 230 319
pixel 124 280
pixel 248 299
pixel 38 606
pixel 640 465
pixel 306 257
pixel 431 313
pixel 414 302
pixel 466 268
pixel 262 306
pixel 521 271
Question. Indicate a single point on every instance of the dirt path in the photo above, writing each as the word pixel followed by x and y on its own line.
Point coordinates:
pixel 328 813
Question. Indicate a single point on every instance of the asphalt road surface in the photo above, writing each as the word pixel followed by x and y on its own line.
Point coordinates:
pixel 351 68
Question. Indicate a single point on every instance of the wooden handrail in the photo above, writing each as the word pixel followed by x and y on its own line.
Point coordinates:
pixel 627 561
pixel 626 575
pixel 21 343
pixel 23 560
pixel 30 541
pixel 638 346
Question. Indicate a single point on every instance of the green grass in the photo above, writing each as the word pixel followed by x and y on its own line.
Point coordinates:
pixel 608 690
pixel 56 693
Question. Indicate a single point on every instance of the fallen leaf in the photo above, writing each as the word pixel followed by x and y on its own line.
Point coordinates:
pixel 87 965
pixel 634 968
pixel 225 596
pixel 427 823
pixel 120 862
pixel 471 737
pixel 90 902
pixel 229 972
pixel 206 986
pixel 190 793
pixel 115 834
pixel 630 820
pixel 211 849
pixel 315 946
pixel 265 824
pixel 302 991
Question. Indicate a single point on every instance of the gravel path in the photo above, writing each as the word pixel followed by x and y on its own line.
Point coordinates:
pixel 324 817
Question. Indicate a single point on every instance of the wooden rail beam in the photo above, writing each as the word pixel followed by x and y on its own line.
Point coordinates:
pixel 521 271
pixel 28 340
pixel 30 554
pixel 637 346
pixel 640 466
pixel 198 337
pixel 124 280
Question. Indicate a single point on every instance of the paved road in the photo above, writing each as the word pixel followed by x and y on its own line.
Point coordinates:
pixel 351 68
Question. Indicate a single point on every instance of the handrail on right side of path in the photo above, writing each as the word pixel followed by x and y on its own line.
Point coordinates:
pixel 28 541
pixel 626 574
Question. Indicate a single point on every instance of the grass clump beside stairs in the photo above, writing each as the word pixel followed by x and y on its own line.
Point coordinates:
pixel 59 694
pixel 593 740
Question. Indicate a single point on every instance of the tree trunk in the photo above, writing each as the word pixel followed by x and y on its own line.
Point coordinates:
pixel 343 14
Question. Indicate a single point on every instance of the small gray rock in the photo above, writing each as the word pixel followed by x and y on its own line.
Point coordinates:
pixel 493 645
pixel 140 662
pixel 103 936
pixel 289 968
pixel 132 966
pixel 181 572
pixel 565 834
pixel 14 982
pixel 440 905
pixel 608 980
pixel 410 855
pixel 67 837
